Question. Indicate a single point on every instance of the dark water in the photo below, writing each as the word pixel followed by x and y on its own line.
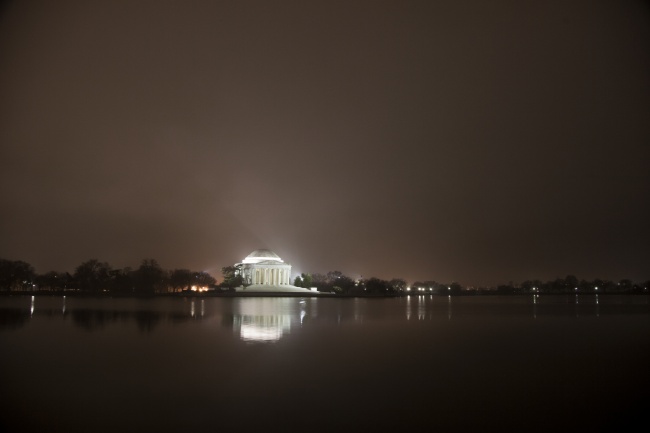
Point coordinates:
pixel 421 363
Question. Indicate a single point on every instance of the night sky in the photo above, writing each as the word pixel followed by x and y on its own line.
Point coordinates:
pixel 470 141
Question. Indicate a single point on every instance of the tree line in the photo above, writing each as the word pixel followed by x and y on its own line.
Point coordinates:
pixel 96 276
pixel 569 284
pixel 337 282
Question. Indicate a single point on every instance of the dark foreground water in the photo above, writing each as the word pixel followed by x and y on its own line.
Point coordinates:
pixel 421 363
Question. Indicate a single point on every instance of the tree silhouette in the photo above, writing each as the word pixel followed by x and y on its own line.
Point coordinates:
pixel 92 275
pixel 150 277
pixel 16 275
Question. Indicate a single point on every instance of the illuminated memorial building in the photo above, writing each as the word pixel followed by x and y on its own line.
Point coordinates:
pixel 264 271
pixel 266 268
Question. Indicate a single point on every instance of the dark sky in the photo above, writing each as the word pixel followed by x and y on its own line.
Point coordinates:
pixel 474 141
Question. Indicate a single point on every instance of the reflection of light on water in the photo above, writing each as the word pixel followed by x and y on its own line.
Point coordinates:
pixel 63 310
pixel 313 307
pixel 534 306
pixel 192 308
pixel 408 307
pixel 338 313
pixel 202 307
pixel 449 308
pixel 31 309
pixel 356 309
pixel 263 328
pixel 303 313
pixel 422 308
pixel 267 320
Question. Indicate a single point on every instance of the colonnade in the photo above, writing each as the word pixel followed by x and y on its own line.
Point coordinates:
pixel 272 276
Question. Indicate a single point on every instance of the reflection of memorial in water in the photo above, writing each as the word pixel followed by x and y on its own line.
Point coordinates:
pixel 269 319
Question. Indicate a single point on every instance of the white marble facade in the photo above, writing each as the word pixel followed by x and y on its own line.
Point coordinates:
pixel 264 267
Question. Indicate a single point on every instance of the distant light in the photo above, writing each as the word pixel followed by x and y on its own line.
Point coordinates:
pixel 596 288
pixel 448 288
pixel 576 289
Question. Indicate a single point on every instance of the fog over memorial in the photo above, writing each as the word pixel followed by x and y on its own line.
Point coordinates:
pixel 480 142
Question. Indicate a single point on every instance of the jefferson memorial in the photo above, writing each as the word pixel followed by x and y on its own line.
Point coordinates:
pixel 264 271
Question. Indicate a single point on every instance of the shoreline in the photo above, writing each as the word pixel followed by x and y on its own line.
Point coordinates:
pixel 74 293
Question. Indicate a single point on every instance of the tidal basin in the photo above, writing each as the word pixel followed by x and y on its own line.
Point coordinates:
pixel 519 363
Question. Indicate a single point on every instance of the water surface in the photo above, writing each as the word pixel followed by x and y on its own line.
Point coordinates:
pixel 568 363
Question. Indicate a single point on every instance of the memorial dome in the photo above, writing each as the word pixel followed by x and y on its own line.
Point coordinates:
pixel 262 255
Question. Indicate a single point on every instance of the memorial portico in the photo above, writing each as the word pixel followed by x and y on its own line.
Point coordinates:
pixel 264 267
